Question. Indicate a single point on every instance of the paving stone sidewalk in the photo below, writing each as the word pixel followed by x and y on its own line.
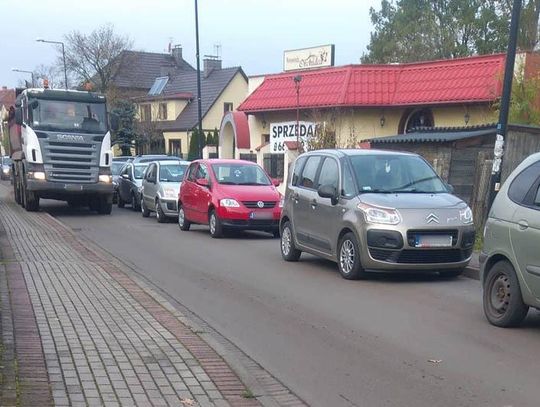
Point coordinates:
pixel 77 330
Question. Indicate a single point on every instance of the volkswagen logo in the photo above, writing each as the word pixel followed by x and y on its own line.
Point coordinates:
pixel 432 218
pixel 260 204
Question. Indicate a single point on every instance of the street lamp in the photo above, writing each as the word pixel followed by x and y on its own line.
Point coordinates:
pixel 63 56
pixel 22 70
pixel 297 79
pixel 199 98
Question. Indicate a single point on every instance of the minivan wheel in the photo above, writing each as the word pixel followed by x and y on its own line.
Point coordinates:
pixel 160 215
pixel 145 212
pixel 135 203
pixel 183 223
pixel 120 202
pixel 503 303
pixel 216 230
pixel 289 252
pixel 349 263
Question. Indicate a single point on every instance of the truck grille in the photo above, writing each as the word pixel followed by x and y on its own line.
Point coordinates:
pixel 71 162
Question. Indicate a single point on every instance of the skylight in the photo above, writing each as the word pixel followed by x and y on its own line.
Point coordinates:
pixel 158 85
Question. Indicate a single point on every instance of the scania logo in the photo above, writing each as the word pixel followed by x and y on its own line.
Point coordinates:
pixel 260 204
pixel 69 137
pixel 432 218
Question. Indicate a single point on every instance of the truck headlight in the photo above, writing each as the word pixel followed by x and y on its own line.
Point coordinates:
pixel 466 216
pixel 37 175
pixel 107 179
pixel 379 215
pixel 229 203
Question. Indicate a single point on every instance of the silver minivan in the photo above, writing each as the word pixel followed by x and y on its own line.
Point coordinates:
pixel 160 187
pixel 510 258
pixel 372 210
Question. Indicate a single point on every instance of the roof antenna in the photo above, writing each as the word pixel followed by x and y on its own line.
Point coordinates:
pixel 217 50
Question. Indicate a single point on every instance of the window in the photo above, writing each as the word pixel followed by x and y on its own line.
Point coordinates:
pixel 171 172
pixel 202 172
pixel 240 174
pixel 150 172
pixel 126 170
pixel 307 179
pixel 192 171
pixel 146 113
pixel 139 170
pixel 162 111
pixel 227 107
pixel 298 165
pixel 537 198
pixel 159 85
pixel 523 183
pixel 349 185
pixel 419 118
pixel 329 174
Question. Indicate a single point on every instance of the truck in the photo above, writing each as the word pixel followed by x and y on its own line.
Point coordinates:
pixel 60 146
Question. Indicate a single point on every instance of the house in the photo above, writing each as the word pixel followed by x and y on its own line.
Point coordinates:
pixel 364 102
pixel 170 107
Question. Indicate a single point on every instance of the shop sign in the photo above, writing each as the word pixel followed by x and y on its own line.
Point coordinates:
pixel 286 131
pixel 308 58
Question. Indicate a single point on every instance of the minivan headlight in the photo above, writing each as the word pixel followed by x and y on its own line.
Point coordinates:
pixel 379 215
pixel 466 216
pixel 229 203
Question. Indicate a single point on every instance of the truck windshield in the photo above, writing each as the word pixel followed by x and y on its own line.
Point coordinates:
pixel 78 117
pixel 395 174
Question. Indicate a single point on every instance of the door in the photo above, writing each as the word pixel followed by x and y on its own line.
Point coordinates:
pixel 525 235
pixel 188 191
pixel 124 189
pixel 304 201
pixel 326 214
pixel 150 186
pixel 202 195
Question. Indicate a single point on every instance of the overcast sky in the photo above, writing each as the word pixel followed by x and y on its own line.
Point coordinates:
pixel 252 33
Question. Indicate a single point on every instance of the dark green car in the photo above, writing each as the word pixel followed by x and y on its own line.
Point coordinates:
pixel 510 258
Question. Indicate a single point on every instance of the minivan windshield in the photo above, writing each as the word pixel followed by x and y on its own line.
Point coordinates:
pixel 383 173
pixel 171 172
pixel 240 174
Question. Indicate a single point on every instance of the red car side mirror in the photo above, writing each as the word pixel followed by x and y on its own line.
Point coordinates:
pixel 202 182
pixel 276 182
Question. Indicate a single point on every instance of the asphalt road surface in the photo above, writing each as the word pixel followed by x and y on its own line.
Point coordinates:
pixel 391 341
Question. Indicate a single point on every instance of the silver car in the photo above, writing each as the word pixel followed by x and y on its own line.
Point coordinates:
pixel 510 258
pixel 372 210
pixel 160 187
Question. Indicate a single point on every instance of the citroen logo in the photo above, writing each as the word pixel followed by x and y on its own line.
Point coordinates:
pixel 432 218
pixel 260 204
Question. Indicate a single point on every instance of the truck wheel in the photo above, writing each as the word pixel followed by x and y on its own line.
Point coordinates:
pixel 31 201
pixel 17 192
pixel 104 205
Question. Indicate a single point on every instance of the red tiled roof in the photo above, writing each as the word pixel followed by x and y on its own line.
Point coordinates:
pixel 7 97
pixel 473 79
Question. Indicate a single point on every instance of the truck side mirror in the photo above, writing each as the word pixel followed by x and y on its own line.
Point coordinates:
pixel 18 116
pixel 115 123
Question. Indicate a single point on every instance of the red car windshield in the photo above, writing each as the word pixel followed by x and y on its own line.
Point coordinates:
pixel 240 174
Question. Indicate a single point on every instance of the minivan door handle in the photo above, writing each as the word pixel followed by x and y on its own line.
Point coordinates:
pixel 523 225
pixel 314 203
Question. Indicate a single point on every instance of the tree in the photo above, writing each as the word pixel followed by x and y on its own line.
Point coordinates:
pixel 125 135
pixel 193 153
pixel 414 30
pixel 94 57
pixel 212 138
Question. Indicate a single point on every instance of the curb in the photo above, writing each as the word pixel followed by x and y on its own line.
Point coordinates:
pixel 472 273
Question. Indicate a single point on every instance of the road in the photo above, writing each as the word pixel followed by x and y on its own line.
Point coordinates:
pixel 390 341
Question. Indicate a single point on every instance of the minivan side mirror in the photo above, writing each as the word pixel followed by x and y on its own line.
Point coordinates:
pixel 328 191
pixel 18 116
pixel 125 176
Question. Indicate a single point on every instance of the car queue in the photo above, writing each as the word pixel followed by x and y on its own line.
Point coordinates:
pixel 366 210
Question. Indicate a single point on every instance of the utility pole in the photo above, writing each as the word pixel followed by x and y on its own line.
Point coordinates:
pixel 199 101
pixel 502 125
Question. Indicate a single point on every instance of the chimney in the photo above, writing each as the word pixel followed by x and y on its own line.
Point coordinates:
pixel 176 53
pixel 211 64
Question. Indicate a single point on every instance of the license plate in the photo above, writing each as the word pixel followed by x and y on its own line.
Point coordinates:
pixel 433 241
pixel 261 215
pixel 73 187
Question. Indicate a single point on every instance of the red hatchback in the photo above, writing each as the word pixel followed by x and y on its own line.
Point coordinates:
pixel 229 194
